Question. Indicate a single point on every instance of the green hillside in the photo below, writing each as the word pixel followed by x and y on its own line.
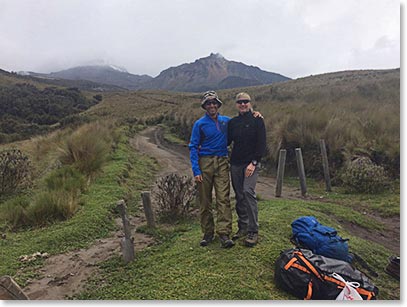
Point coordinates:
pixel 356 112
pixel 86 169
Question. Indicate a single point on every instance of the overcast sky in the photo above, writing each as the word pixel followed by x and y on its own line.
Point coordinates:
pixel 295 38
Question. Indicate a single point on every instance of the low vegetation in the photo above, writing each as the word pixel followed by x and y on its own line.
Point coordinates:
pixel 180 269
pixel 174 195
pixel 26 110
pixel 77 174
pixel 123 175
pixel 15 171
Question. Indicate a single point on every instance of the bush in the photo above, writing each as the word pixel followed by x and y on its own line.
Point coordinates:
pixel 15 171
pixel 14 212
pixel 58 202
pixel 362 175
pixel 51 206
pixel 173 195
pixel 66 179
pixel 87 148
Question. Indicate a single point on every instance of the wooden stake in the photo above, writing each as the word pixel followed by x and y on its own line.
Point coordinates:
pixel 280 172
pixel 301 171
pixel 127 243
pixel 148 211
pixel 325 165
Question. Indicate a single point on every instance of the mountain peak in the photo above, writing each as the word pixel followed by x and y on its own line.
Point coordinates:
pixel 216 55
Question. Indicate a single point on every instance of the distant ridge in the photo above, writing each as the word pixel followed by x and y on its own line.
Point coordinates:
pixel 212 72
pixel 105 74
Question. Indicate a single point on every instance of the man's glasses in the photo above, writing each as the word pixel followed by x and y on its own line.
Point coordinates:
pixel 243 101
pixel 214 102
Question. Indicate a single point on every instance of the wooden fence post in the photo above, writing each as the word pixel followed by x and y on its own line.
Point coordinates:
pixel 280 172
pixel 325 165
pixel 127 243
pixel 301 171
pixel 10 290
pixel 148 211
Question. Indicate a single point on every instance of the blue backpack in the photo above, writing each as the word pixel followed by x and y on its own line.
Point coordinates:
pixel 321 240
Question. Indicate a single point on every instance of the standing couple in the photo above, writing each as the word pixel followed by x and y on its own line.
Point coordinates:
pixel 211 136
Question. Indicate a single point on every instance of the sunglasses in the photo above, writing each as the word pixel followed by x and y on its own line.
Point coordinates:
pixel 243 101
pixel 214 102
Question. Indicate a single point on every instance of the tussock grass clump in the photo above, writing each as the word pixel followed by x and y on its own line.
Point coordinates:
pixel 67 179
pixel 13 212
pixel 363 176
pixel 59 201
pixel 87 148
pixel 51 206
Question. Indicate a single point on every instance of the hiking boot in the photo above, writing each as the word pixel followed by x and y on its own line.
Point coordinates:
pixel 251 239
pixel 225 242
pixel 240 234
pixel 207 238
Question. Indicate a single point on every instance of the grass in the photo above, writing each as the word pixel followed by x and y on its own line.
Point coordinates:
pixel 179 269
pixel 94 220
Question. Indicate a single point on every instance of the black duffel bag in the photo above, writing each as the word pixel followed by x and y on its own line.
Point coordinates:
pixel 310 276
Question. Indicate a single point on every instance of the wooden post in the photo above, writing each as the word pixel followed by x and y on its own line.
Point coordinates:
pixel 325 165
pixel 10 290
pixel 127 243
pixel 280 172
pixel 301 171
pixel 148 211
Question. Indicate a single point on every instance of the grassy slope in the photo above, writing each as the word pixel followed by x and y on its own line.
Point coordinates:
pixel 94 220
pixel 180 269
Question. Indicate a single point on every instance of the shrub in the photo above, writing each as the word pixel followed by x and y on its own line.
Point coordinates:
pixel 66 179
pixel 173 195
pixel 51 206
pixel 15 171
pixel 14 212
pixel 362 175
pixel 87 148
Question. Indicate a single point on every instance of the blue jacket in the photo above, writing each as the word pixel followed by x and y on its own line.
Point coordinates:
pixel 209 138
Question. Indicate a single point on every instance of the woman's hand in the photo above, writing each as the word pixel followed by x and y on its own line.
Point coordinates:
pixel 250 170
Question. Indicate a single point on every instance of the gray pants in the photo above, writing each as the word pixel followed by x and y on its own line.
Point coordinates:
pixel 246 201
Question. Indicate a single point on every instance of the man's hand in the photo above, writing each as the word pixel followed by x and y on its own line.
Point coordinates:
pixel 198 178
pixel 257 114
pixel 250 170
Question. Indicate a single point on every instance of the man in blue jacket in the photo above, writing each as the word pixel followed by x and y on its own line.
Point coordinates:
pixel 210 165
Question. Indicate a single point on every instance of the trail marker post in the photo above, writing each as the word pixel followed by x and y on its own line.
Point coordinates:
pixel 148 211
pixel 127 243
pixel 280 172
pixel 301 171
pixel 325 165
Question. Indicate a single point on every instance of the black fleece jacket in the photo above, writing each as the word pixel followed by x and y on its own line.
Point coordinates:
pixel 248 135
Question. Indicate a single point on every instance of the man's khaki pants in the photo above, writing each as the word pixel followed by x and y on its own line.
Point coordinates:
pixel 215 174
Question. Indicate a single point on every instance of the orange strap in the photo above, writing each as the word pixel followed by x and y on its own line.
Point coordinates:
pixel 334 280
pixel 300 267
pixel 289 263
pixel 309 292
pixel 310 266
pixel 369 294
pixel 292 263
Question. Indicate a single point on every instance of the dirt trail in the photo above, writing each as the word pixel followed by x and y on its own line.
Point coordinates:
pixel 176 158
pixel 65 275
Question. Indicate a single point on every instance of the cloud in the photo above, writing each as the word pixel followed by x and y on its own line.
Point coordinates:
pixel 292 37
